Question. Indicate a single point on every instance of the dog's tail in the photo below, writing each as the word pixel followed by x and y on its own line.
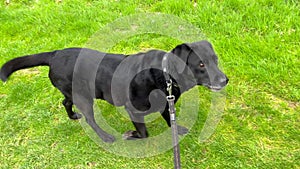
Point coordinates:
pixel 41 59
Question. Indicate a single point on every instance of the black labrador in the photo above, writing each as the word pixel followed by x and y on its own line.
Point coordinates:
pixel 137 81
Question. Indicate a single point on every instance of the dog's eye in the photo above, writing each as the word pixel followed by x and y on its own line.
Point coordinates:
pixel 202 65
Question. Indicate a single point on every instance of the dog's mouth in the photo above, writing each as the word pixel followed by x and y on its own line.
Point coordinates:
pixel 214 88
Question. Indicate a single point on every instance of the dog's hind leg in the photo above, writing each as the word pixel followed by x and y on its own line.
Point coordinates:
pixel 86 107
pixel 68 103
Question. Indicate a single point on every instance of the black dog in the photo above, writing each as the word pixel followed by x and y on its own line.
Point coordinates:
pixel 137 82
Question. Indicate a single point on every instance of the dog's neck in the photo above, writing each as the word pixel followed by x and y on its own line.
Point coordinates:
pixel 184 83
pixel 183 80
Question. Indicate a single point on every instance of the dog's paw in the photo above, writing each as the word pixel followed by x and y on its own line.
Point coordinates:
pixel 76 116
pixel 109 139
pixel 131 135
pixel 182 130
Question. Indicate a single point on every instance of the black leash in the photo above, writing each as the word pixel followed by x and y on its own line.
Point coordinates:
pixel 172 111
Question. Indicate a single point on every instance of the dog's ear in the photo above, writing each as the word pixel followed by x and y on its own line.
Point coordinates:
pixel 181 51
pixel 200 44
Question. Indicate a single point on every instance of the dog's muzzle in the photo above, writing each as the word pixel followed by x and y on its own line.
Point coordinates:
pixel 219 85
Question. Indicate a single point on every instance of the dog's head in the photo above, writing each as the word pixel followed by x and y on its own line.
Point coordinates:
pixel 201 60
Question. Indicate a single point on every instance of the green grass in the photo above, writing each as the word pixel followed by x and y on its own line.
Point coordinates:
pixel 258 44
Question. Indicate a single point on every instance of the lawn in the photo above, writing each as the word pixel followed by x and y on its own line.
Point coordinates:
pixel 258 44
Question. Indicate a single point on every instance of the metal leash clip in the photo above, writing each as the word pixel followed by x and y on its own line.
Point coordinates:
pixel 169 87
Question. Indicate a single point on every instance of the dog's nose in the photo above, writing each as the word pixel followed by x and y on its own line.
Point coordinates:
pixel 227 80
pixel 223 80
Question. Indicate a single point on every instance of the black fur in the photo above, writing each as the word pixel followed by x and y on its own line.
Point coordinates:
pixel 106 76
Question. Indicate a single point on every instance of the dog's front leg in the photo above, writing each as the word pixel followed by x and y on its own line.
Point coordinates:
pixel 140 126
pixel 166 115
